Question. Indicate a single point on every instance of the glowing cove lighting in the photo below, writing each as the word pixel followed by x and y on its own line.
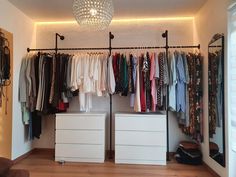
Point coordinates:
pixel 123 20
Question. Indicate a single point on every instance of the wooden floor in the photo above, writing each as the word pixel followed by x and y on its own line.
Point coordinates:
pixel 41 164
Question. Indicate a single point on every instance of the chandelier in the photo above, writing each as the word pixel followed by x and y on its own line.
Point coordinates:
pixel 93 14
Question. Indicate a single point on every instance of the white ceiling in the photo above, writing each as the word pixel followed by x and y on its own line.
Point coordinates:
pixel 61 10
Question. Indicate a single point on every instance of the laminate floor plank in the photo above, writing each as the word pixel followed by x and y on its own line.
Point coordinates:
pixel 41 164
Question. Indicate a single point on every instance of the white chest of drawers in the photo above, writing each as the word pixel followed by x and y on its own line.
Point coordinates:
pixel 80 137
pixel 140 139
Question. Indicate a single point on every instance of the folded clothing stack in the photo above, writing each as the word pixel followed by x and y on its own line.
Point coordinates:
pixel 189 153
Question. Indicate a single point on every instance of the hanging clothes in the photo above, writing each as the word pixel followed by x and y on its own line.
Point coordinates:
pixel 160 82
pixel 147 82
pixel 110 77
pixel 173 82
pixel 124 82
pixel 185 92
pixel 142 85
pixel 131 74
pixel 180 87
pixel 28 89
pixel 99 77
pixel 4 62
pixel 53 79
pixel 165 81
pixel 153 82
pixel 93 76
pixel 46 107
pixel 117 70
pixel 104 74
pixel 186 115
pixel 220 89
pixel 137 102
pixel 157 69
pixel 216 91
pixel 23 91
pixel 56 84
pixel 145 86
pixel 195 97
pixel 132 79
pixel 49 81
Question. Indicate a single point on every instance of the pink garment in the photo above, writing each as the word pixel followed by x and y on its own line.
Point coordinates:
pixel 153 83
pixel 153 66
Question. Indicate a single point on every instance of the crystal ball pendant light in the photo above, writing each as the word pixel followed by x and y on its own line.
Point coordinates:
pixel 93 14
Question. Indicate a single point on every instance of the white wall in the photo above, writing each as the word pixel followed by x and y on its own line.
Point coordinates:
pixel 126 34
pixel 211 19
pixel 22 27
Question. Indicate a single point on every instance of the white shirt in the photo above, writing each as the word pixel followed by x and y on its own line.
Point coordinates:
pixel 87 84
pixel 110 77
pixel 73 83
pixel 172 83
pixel 104 74
pixel 98 85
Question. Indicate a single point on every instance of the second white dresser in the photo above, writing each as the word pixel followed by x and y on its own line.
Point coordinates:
pixel 140 139
pixel 80 137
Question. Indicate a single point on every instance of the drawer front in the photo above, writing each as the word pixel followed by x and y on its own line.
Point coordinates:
pixel 139 123
pixel 140 153
pixel 79 151
pixel 89 122
pixel 80 137
pixel 140 138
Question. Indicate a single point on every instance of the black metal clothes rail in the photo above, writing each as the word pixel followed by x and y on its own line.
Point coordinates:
pixel 113 48
pixel 110 48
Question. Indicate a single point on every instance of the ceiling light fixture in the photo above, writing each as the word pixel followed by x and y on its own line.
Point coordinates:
pixel 93 14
